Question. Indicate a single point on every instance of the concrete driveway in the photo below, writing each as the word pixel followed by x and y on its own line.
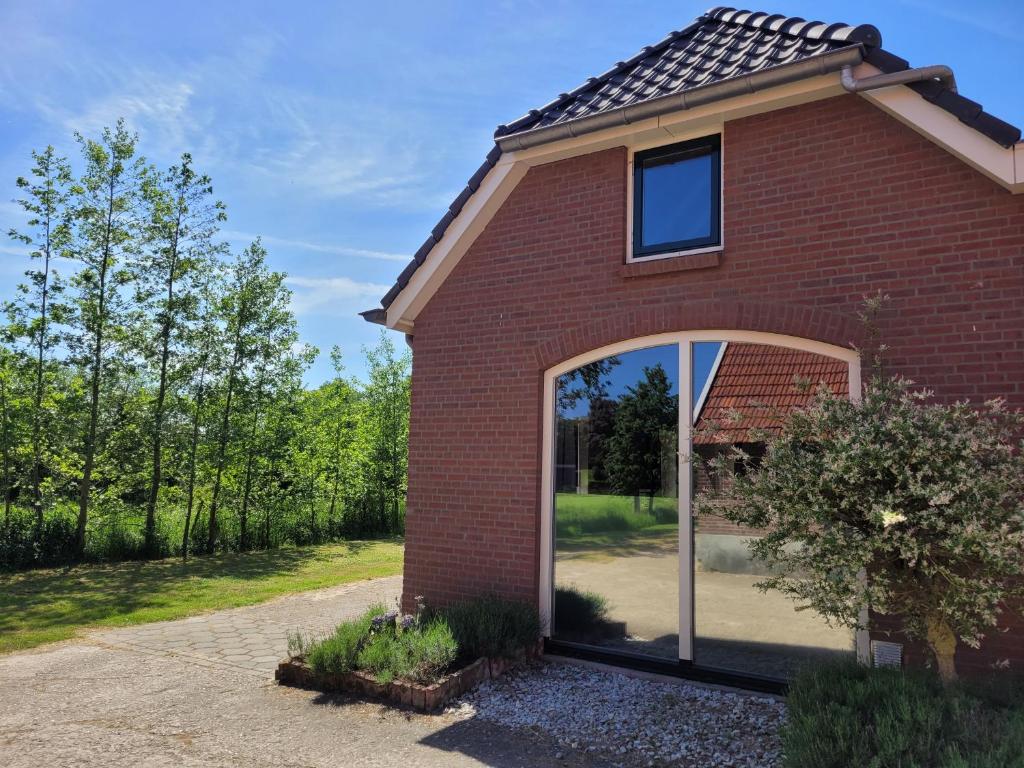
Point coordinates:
pixel 200 692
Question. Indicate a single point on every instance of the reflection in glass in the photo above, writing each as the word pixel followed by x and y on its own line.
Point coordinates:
pixel 616 508
pixel 747 391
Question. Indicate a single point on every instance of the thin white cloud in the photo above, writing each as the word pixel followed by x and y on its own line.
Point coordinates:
pixel 332 295
pixel 305 245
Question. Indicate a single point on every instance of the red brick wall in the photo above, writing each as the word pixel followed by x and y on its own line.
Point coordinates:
pixel 824 203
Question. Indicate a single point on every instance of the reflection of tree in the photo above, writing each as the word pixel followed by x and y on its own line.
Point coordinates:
pixel 645 421
pixel 602 424
pixel 589 382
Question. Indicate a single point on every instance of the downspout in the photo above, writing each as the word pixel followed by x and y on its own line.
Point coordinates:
pixel 939 72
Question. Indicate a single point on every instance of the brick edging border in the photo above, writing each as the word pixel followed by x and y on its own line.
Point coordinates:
pixel 296 673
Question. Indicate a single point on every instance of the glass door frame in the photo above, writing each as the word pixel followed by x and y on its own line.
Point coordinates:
pixel 684 341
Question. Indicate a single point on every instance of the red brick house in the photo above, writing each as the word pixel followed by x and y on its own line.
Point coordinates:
pixel 748 179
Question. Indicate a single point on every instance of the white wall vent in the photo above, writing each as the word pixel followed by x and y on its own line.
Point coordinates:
pixel 885 654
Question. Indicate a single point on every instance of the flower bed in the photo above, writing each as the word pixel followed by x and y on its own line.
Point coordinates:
pixel 421 661
pixel 423 697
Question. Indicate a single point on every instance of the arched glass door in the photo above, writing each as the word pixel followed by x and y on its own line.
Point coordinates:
pixel 628 568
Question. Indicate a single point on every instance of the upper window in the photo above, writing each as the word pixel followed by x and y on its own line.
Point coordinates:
pixel 677 197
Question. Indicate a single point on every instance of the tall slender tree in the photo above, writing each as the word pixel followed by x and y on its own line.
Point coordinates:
pixel 205 343
pixel 182 224
pixel 47 202
pixel 106 201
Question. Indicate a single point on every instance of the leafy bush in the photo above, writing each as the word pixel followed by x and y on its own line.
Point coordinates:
pixel 491 626
pixel 927 498
pixel 577 610
pixel 846 714
pixel 21 547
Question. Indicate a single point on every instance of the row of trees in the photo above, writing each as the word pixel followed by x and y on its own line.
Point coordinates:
pixel 151 397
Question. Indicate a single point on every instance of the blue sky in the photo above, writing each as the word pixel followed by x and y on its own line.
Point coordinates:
pixel 341 131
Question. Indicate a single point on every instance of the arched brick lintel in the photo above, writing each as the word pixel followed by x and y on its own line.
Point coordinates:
pixel 823 325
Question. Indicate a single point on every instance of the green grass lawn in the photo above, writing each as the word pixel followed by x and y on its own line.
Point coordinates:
pixel 44 606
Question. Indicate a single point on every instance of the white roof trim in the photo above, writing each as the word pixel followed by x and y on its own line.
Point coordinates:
pixel 712 373
pixel 1003 165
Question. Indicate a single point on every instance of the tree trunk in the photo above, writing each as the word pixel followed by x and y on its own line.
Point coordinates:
pixel 312 509
pixel 193 449
pixel 158 410
pixel 37 403
pixel 6 453
pixel 243 517
pixel 154 483
pixel 222 442
pixel 85 487
pixel 942 642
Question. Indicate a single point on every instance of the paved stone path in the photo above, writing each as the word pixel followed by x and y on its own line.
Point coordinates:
pixel 254 638
pixel 199 693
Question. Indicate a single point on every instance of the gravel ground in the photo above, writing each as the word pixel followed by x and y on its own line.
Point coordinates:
pixel 632 721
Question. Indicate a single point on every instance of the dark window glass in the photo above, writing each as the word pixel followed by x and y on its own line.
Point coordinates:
pixel 676 197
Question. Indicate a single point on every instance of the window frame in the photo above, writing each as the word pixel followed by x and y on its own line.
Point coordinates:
pixel 699 147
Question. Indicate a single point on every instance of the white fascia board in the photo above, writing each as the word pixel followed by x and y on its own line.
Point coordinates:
pixel 1001 164
pixel 443 257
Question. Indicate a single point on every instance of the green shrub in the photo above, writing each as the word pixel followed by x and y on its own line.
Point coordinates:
pixel 338 653
pixel 577 610
pixel 491 626
pixel 421 654
pixel 843 715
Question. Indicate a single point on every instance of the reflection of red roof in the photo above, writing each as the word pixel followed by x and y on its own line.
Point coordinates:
pixel 754 382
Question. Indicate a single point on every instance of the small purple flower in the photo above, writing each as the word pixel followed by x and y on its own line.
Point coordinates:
pixel 408 620
pixel 377 622
pixel 390 617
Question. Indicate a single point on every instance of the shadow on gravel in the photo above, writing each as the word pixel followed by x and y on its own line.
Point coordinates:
pixel 489 743
pixel 502 747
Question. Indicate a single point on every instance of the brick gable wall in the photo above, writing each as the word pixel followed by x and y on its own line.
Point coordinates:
pixel 824 203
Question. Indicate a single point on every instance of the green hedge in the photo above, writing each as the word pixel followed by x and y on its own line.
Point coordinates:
pixel 848 715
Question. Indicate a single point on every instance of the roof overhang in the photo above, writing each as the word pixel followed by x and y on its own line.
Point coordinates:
pixel 678 118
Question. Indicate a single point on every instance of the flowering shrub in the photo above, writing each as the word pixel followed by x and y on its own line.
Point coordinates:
pixel 926 499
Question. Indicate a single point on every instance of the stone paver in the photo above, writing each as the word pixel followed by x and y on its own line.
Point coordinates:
pixel 254 638
pixel 171 694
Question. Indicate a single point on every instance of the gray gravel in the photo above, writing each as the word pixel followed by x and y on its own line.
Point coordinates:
pixel 633 721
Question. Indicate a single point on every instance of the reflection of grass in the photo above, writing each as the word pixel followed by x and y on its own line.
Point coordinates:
pixel 576 515
pixel 47 605
pixel 654 540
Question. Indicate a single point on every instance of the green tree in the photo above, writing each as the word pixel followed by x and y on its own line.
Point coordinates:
pixel 182 223
pixel 645 425
pixel 337 414
pixel 926 499
pixel 106 202
pixel 47 202
pixel 261 327
pixel 204 353
pixel 383 437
